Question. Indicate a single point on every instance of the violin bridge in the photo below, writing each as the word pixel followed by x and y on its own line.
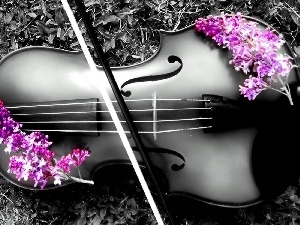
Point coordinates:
pixel 154 105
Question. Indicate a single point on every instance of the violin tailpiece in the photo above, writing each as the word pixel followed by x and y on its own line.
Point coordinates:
pixel 228 114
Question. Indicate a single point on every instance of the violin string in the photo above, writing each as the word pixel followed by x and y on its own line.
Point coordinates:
pixel 87 103
pixel 104 111
pixel 122 121
pixel 115 131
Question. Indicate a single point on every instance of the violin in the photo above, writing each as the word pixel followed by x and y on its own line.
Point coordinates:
pixel 169 98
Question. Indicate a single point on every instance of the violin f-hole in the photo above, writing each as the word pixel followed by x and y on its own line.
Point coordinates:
pixel 157 77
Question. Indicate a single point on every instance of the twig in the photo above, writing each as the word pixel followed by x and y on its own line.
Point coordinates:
pixel 66 31
pixel 293 10
pixel 79 173
pixel 53 221
pixel 120 204
pixel 179 19
pixel 288 94
pixel 79 180
pixel 2 216
pixel 160 4
pixel 7 198
pixel 142 35
pixel 27 25
pixel 281 92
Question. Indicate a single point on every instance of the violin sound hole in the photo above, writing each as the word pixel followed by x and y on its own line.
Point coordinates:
pixel 156 77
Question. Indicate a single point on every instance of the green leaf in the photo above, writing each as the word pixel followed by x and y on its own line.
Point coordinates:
pixel 294 198
pixel 110 18
pixel 297 50
pixel 90 3
pixel 114 211
pixel 51 38
pixel 59 18
pixel 130 19
pixel 135 56
pixel 8 17
pixel 44 8
pixel 295 18
pixel 122 36
pixel 39 12
pixel 13 25
pixel 113 43
pixel 58 33
pixel 71 33
pixel 51 30
pixel 131 202
pixel 73 45
pixel 42 28
pixel 83 212
pixel 96 221
pixel 81 221
pixel 150 4
pixel 32 14
pixel 10 222
pixel 215 11
pixel 122 14
pixel 103 213
pixel 110 219
pixel 106 45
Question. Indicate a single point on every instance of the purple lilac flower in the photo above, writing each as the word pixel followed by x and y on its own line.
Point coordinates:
pixel 252 87
pixel 33 159
pixel 79 156
pixel 66 163
pixel 253 50
pixel 242 58
pixel 73 159
pixel 16 165
pixel 15 142
pixel 7 125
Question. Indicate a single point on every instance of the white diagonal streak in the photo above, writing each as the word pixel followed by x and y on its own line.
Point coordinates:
pixel 111 109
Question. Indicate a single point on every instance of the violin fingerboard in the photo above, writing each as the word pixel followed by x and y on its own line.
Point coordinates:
pixel 79 116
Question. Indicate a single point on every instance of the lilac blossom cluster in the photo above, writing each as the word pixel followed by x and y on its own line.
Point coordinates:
pixel 32 158
pixel 254 50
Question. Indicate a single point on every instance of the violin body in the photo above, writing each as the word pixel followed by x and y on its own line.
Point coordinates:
pixel 220 168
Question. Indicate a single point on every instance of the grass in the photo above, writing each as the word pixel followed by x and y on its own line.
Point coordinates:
pixel 106 202
pixel 128 31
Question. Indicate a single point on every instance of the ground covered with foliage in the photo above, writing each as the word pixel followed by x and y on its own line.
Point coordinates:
pixel 129 33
